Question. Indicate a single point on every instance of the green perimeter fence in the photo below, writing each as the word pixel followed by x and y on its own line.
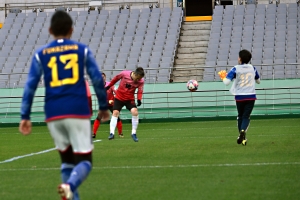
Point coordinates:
pixel 174 101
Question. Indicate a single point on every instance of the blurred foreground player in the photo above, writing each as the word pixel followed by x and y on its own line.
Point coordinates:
pixel 63 62
pixel 130 81
pixel 110 100
pixel 243 87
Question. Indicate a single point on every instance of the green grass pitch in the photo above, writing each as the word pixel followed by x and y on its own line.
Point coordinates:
pixel 178 161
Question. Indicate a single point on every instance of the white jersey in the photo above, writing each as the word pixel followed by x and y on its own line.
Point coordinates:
pixel 244 82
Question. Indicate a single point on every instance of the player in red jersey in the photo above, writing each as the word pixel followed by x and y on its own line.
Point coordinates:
pixel 110 100
pixel 130 81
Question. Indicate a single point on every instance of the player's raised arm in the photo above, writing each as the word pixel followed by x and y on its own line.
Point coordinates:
pixel 96 77
pixel 33 79
pixel 230 76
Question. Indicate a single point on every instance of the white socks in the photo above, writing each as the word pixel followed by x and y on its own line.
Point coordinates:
pixel 113 124
pixel 135 123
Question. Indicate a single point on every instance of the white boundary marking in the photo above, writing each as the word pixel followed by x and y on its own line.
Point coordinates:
pixel 32 154
pixel 166 166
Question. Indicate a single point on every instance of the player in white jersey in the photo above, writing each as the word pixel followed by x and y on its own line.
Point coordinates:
pixel 244 77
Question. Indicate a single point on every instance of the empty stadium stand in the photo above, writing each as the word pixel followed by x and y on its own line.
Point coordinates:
pixel 270 32
pixel 119 40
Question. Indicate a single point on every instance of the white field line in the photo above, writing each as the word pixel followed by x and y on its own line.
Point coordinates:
pixel 166 166
pixel 32 154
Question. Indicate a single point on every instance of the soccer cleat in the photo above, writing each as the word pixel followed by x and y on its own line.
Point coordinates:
pixel 121 135
pixel 111 136
pixel 134 137
pixel 244 142
pixel 65 192
pixel 242 138
pixel 94 135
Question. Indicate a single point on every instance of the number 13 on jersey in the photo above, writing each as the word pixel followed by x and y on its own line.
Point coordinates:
pixel 72 64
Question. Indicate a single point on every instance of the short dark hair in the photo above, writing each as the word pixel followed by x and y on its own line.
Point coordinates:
pixel 61 23
pixel 103 74
pixel 139 71
pixel 245 56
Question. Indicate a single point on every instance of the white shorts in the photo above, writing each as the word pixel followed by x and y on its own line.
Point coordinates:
pixel 74 132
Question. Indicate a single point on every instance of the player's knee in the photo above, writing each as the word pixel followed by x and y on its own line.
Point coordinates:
pixel 116 113
pixel 83 157
pixel 134 112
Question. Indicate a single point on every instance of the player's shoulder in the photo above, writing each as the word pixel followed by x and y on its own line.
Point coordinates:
pixel 42 48
pixel 126 72
pixel 79 44
pixel 68 44
pixel 234 67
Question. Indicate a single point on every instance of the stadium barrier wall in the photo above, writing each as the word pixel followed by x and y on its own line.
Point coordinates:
pixel 174 102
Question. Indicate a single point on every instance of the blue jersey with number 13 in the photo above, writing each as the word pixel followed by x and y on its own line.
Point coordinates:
pixel 63 62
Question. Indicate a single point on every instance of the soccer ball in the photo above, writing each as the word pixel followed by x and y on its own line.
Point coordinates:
pixel 192 85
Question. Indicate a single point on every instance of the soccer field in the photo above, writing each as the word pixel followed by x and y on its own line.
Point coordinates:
pixel 182 160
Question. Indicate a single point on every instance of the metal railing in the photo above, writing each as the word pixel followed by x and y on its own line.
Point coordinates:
pixel 81 4
pixel 176 104
pixel 266 71
pixel 28 6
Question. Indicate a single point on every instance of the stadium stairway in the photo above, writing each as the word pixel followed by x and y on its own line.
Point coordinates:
pixel 191 52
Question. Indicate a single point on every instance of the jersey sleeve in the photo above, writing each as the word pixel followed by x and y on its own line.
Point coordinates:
pixel 256 73
pixel 115 79
pixel 140 91
pixel 113 89
pixel 96 77
pixel 33 79
pixel 231 74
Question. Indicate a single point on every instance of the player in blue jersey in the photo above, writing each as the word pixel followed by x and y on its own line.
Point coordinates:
pixel 244 76
pixel 63 62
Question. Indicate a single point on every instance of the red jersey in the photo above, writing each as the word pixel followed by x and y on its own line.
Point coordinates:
pixel 127 86
pixel 110 93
